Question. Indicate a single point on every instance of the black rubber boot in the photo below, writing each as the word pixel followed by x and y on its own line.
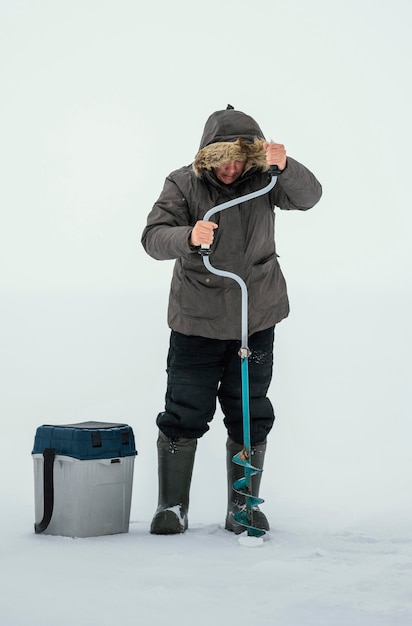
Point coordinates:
pixel 236 501
pixel 175 466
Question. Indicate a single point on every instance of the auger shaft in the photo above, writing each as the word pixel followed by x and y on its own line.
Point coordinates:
pixel 244 485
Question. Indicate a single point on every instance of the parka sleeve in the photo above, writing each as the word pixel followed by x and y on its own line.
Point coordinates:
pixel 166 235
pixel 297 188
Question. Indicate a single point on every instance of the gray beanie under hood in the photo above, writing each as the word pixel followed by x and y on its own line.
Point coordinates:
pixel 230 135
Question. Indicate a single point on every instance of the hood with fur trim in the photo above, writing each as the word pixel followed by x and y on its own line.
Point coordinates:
pixel 230 135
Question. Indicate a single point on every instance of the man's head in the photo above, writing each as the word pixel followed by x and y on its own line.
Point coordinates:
pixel 229 172
pixel 231 141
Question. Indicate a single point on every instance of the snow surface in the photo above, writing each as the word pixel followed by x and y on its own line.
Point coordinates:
pixel 101 100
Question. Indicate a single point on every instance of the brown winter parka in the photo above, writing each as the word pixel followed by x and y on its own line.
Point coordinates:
pixel 201 303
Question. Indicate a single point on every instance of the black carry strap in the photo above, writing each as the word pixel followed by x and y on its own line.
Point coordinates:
pixel 48 490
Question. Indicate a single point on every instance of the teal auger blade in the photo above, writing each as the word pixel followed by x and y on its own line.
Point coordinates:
pixel 243 487
pixel 242 518
pixel 254 501
pixel 240 459
pixel 243 490
pixel 255 532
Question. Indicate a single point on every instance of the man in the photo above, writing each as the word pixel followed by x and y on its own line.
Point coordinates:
pixel 204 312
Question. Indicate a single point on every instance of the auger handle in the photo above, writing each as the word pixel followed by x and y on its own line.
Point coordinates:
pixel 205 249
pixel 274 170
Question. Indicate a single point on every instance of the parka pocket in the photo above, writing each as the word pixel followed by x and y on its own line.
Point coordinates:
pixel 267 286
pixel 201 294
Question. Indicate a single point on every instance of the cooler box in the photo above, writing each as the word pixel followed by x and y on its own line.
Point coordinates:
pixel 83 477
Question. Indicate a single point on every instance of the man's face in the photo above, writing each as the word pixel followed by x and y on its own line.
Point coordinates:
pixel 229 172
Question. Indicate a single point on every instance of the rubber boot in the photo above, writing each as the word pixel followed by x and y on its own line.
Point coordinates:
pixel 236 501
pixel 175 466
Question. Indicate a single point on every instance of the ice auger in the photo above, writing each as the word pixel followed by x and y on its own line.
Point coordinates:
pixel 243 458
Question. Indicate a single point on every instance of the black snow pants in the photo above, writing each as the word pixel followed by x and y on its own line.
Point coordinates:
pixel 202 370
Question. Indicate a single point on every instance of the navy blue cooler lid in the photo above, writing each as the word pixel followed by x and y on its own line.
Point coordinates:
pixel 86 440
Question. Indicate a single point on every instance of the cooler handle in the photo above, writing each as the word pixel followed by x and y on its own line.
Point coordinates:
pixel 48 490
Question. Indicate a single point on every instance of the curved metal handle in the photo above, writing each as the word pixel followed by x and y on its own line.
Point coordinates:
pixel 205 249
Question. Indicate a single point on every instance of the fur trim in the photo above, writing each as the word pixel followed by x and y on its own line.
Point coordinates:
pixel 216 154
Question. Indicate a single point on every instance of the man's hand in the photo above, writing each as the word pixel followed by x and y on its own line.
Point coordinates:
pixel 202 233
pixel 275 154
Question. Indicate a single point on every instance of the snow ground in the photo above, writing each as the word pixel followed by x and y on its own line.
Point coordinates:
pixel 297 577
pixel 302 575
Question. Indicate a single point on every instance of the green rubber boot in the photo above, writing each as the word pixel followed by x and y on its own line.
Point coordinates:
pixel 236 501
pixel 175 467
